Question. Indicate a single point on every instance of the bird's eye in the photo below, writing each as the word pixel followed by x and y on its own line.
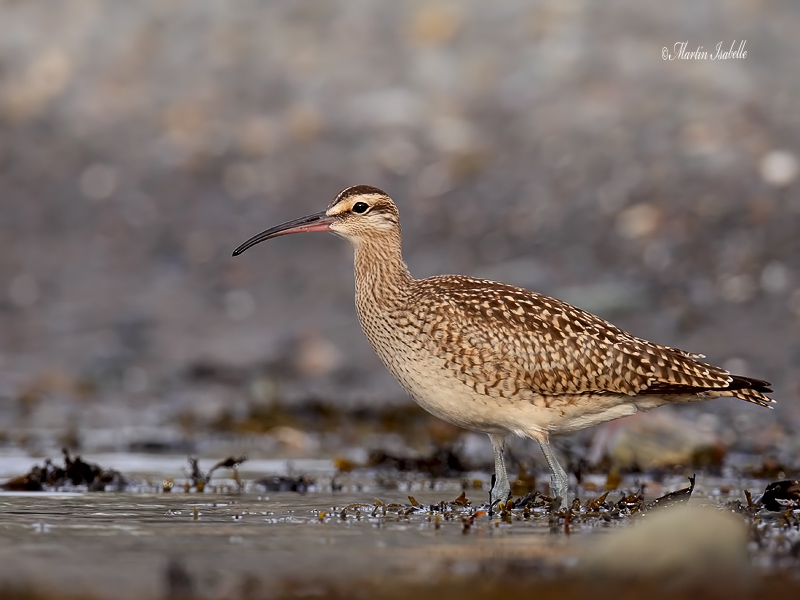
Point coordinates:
pixel 360 207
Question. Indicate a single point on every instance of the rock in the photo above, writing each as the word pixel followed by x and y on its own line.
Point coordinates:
pixel 680 540
pixel 658 439
pixel 294 440
pixel 638 221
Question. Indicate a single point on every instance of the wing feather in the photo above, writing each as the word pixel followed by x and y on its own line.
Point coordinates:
pixel 492 332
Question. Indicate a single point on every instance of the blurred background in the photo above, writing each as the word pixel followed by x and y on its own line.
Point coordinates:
pixel 544 144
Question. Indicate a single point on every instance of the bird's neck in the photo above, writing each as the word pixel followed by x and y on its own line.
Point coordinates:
pixel 382 278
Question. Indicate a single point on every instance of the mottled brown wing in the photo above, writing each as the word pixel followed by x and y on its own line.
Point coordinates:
pixel 498 332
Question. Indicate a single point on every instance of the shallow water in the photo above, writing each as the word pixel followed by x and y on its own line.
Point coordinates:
pixel 122 543
pixel 142 544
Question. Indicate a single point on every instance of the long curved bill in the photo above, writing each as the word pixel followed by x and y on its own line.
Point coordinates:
pixel 316 222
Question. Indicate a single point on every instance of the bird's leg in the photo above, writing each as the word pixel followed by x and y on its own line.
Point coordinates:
pixel 559 482
pixel 501 489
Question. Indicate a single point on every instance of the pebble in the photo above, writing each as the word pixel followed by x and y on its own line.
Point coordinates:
pixel 778 168
pixel 679 541
pixel 657 439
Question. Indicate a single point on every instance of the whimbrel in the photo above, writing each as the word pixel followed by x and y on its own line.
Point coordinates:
pixel 500 359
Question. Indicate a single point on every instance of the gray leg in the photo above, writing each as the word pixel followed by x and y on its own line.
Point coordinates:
pixel 559 482
pixel 501 491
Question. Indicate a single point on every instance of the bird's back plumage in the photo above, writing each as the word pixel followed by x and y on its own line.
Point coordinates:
pixel 503 339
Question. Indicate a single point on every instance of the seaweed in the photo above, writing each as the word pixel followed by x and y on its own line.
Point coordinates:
pixel 75 472
pixel 781 495
pixel 198 480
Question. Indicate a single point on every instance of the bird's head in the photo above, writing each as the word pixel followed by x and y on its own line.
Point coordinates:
pixel 358 213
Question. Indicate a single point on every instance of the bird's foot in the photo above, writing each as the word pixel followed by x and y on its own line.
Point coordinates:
pixel 499 493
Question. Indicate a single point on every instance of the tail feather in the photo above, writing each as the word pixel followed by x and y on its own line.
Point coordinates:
pixel 749 383
pixel 748 389
pixel 748 395
pixel 751 390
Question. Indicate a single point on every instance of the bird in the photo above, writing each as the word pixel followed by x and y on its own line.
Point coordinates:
pixel 499 359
